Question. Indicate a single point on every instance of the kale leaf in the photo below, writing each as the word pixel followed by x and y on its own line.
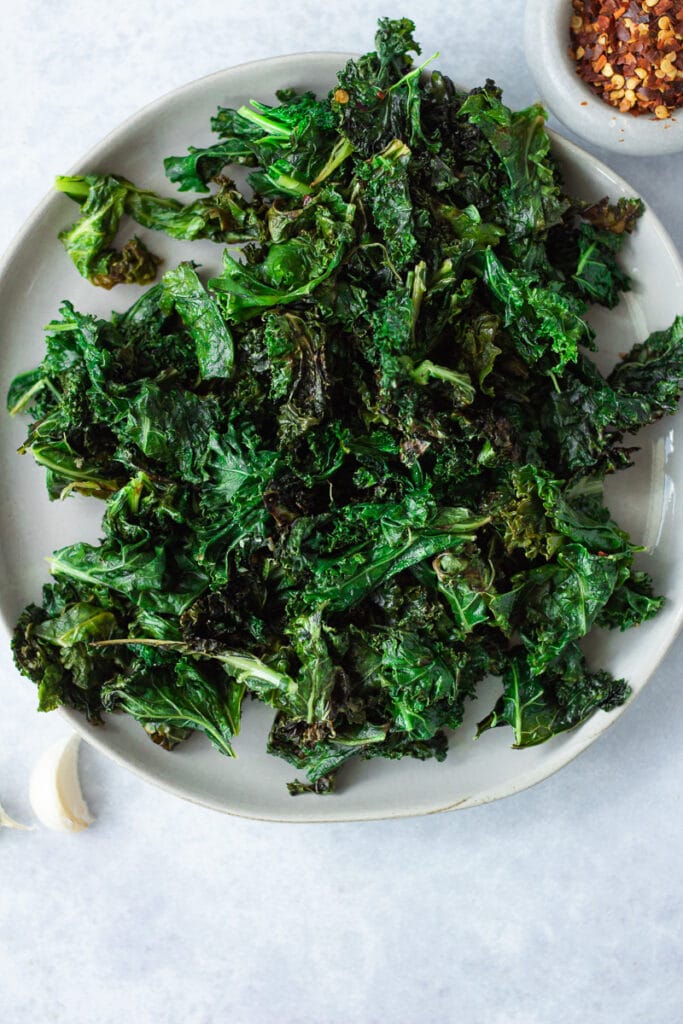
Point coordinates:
pixel 105 199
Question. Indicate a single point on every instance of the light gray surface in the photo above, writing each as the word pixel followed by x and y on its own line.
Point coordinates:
pixel 560 905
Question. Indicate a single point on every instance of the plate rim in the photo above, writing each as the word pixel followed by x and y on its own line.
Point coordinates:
pixel 534 775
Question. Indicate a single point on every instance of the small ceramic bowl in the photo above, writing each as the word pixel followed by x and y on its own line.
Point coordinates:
pixel 574 102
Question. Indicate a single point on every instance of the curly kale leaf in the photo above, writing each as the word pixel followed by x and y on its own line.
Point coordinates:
pixel 589 417
pixel 193 171
pixel 387 193
pixel 617 218
pixel 405 535
pixel 631 603
pixel 104 199
pixel 378 96
pixel 566 694
pixel 171 699
pixel 320 755
pixel 648 379
pixel 292 143
pixel 183 291
pixel 532 201
pixel 88 241
pixel 108 404
pixel 56 651
pixel 298 371
pixel 291 269
pixel 146 555
pixel 539 317
pixel 541 516
pixel 558 602
pixel 598 276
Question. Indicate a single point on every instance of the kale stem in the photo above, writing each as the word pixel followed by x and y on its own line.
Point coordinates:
pixel 413 72
pixel 271 127
pixel 340 152
pixel 27 396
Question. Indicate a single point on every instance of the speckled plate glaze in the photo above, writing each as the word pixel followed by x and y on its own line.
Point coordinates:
pixel 36 275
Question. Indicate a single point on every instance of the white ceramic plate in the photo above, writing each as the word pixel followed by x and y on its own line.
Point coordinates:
pixel 36 275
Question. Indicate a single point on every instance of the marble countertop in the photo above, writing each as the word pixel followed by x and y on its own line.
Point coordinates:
pixel 559 905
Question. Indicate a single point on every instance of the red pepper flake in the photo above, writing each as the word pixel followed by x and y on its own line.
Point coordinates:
pixel 614 42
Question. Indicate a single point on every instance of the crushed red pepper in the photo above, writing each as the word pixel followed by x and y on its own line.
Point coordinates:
pixel 631 52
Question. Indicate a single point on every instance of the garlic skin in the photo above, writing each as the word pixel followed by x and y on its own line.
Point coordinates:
pixel 55 789
pixel 7 821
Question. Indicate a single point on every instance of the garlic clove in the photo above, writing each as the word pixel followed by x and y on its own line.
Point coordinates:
pixel 55 789
pixel 6 821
